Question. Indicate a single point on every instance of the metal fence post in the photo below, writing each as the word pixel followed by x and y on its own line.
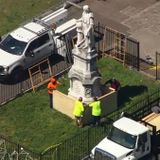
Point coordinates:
pixel 148 99
pixel 88 148
pixel 58 153
pixel 40 156
pixel 98 32
pixel 138 56
pixel 19 148
pixel 156 65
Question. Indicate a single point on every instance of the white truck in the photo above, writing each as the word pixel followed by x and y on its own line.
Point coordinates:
pixel 130 140
pixel 33 42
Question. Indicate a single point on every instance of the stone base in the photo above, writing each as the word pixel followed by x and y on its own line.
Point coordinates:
pixel 84 76
pixel 65 104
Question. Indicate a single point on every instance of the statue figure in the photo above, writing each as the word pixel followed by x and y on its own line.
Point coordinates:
pixel 85 29
pixel 80 35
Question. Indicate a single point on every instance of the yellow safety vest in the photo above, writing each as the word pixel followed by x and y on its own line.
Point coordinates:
pixel 96 108
pixel 78 109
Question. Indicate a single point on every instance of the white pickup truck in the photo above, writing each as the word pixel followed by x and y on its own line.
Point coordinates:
pixel 129 139
pixel 33 42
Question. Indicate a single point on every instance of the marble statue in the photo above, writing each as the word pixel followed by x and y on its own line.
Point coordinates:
pixel 84 76
pixel 80 35
pixel 85 29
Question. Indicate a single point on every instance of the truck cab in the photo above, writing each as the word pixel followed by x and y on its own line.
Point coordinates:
pixel 33 42
pixel 23 48
pixel 127 140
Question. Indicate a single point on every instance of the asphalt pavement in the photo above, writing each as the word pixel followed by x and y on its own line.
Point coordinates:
pixel 139 19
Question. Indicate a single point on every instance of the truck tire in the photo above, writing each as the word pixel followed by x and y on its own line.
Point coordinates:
pixel 16 75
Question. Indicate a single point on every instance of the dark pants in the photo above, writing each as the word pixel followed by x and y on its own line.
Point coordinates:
pixel 79 121
pixel 51 100
pixel 96 120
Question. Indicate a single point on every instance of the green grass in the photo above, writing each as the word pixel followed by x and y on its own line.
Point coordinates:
pixel 134 85
pixel 29 121
pixel 13 13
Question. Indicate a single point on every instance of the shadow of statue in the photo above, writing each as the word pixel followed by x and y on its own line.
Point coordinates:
pixel 127 92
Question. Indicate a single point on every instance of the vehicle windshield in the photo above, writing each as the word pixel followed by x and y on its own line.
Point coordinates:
pixel 125 139
pixel 12 45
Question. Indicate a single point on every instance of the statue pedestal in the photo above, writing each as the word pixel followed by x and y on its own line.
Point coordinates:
pixel 84 76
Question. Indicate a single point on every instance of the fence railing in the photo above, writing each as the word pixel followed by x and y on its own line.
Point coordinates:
pixel 10 91
pixel 117 45
pixel 11 151
pixel 80 146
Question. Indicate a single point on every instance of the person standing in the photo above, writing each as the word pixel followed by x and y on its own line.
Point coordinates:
pixel 78 111
pixel 51 87
pixel 96 111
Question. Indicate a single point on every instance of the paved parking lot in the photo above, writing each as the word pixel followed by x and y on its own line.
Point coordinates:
pixel 139 19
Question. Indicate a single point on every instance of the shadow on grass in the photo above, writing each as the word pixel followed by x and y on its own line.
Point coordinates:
pixel 127 92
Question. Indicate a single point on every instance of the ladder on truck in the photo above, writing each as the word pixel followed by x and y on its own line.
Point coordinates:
pixel 51 20
pixel 55 18
pixel 36 74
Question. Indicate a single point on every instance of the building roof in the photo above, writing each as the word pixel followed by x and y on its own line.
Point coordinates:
pixel 130 126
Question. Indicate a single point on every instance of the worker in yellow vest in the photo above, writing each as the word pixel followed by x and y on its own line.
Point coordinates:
pixel 96 111
pixel 78 111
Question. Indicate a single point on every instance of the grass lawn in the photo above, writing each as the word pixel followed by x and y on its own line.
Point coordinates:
pixel 13 13
pixel 134 85
pixel 29 121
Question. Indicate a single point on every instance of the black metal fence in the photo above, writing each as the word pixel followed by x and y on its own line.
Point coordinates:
pixel 80 146
pixel 11 151
pixel 157 66
pixel 133 53
pixel 125 49
pixel 117 45
pixel 9 91
pixel 77 147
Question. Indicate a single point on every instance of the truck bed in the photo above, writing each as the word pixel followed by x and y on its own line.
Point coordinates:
pixel 153 119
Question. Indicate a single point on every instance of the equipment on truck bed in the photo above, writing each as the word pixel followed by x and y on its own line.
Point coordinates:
pixel 129 139
pixel 35 41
